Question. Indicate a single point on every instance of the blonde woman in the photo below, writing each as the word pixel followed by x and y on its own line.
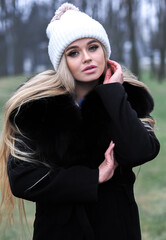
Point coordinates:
pixel 72 136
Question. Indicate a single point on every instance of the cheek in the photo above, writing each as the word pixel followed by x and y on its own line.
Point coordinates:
pixel 102 60
pixel 103 64
pixel 72 66
pixel 73 70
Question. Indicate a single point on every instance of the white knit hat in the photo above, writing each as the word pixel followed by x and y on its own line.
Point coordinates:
pixel 68 25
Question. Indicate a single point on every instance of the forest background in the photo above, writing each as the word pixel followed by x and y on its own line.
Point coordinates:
pixel 136 29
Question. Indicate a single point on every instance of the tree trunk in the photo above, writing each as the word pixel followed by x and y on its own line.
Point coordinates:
pixel 161 73
pixel 3 58
pixel 132 25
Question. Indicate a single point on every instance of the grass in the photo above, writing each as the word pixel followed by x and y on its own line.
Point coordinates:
pixel 150 185
pixel 150 190
pixel 7 87
pixel 16 231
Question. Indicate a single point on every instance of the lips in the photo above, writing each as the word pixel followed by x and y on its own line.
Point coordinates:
pixel 89 68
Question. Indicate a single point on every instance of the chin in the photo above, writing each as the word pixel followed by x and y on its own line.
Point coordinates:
pixel 92 78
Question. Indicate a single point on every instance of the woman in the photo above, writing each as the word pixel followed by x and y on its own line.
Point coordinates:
pixel 72 136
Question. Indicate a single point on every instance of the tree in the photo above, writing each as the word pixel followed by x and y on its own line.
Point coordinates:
pixel 158 38
pixel 35 36
pixel 11 27
pixel 131 10
pixel 162 37
pixel 116 28
pixel 18 32
pixel 3 43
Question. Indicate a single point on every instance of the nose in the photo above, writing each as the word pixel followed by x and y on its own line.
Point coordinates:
pixel 86 56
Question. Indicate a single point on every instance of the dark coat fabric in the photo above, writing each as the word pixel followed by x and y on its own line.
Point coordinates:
pixel 70 203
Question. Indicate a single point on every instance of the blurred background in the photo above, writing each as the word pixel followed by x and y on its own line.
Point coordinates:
pixel 136 30
pixel 137 33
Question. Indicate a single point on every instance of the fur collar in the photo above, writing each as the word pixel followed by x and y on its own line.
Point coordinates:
pixel 140 100
pixel 59 129
pixel 50 107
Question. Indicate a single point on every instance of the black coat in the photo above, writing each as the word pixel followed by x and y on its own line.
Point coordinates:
pixel 70 204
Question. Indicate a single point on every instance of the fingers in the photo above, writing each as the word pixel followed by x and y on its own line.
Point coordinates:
pixel 110 148
pixel 109 152
pixel 108 166
pixel 107 75
pixel 117 73
pixel 109 155
pixel 114 65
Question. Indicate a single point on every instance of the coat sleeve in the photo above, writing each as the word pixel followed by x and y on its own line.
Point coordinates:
pixel 134 143
pixel 38 183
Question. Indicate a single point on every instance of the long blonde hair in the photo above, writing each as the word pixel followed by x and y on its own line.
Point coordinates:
pixel 46 84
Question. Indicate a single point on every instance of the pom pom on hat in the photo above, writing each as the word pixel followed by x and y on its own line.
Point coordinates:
pixel 68 25
pixel 61 10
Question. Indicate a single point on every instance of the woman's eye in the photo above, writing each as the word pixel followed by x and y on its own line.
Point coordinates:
pixel 93 47
pixel 73 54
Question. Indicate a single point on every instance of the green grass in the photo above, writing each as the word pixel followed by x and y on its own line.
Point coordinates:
pixel 16 231
pixel 150 187
pixel 7 87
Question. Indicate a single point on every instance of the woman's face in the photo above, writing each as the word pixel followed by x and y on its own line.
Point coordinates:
pixel 85 59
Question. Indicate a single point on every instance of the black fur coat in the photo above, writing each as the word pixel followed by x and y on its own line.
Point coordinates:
pixel 70 204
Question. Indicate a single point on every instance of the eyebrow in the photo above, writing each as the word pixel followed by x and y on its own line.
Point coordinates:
pixel 75 46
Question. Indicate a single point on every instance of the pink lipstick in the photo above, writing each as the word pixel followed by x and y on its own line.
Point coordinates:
pixel 89 69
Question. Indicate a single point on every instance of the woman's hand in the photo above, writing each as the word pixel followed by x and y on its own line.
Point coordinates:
pixel 108 166
pixel 117 75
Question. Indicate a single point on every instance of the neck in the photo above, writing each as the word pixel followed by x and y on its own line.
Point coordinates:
pixel 82 88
